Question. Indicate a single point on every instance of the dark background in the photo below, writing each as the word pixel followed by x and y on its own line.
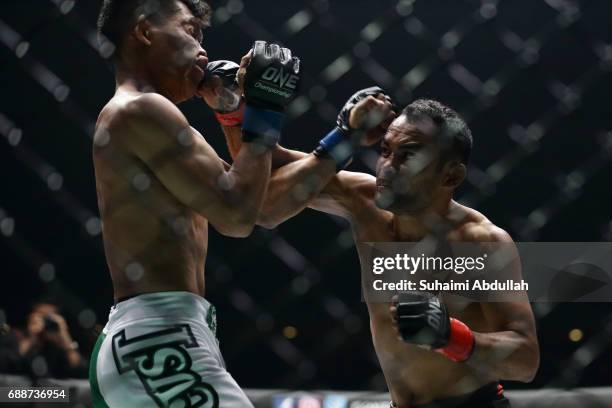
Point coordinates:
pixel 532 77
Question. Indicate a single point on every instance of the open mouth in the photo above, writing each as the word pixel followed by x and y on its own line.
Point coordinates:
pixel 201 62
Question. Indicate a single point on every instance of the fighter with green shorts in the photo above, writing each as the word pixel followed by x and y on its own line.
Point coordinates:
pixel 159 185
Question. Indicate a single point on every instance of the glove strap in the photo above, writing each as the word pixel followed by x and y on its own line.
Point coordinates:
pixel 461 342
pixel 230 119
pixel 337 147
pixel 261 125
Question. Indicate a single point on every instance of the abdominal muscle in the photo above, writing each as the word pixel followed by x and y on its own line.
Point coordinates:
pixel 154 258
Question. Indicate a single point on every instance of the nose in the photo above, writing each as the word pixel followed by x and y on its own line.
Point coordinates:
pixel 388 171
pixel 385 170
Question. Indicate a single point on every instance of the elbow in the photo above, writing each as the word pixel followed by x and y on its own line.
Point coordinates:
pixel 528 375
pixel 268 221
pixel 238 232
pixel 531 363
pixel 533 366
pixel 274 213
pixel 235 223
pixel 239 224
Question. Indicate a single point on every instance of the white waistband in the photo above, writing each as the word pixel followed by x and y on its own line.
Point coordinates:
pixel 175 304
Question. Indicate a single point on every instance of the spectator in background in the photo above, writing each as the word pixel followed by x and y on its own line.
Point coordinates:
pixel 10 360
pixel 46 347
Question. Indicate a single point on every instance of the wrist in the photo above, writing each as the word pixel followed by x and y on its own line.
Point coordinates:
pixel 233 118
pixel 336 146
pixel 261 125
pixel 461 342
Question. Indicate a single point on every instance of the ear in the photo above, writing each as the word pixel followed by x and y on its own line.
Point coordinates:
pixel 455 174
pixel 142 30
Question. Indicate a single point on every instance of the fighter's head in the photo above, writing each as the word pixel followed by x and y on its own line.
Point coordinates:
pixel 423 159
pixel 158 41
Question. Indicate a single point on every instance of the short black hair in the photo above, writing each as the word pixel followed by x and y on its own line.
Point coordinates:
pixel 455 136
pixel 117 17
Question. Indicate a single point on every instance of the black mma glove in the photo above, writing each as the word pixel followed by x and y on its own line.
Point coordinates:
pixel 340 143
pixel 271 81
pixel 423 320
pixel 231 109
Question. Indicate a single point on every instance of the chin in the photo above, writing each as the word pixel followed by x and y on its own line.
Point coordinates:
pixel 399 205
pixel 385 200
pixel 188 92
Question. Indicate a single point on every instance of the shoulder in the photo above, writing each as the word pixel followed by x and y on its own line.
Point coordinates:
pixel 359 199
pixel 485 231
pixel 149 107
pixel 478 228
pixel 354 191
pixel 349 194
pixel 357 184
pixel 142 121
pixel 125 111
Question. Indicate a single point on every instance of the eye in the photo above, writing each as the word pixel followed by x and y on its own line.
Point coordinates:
pixel 384 151
pixel 407 153
pixel 194 32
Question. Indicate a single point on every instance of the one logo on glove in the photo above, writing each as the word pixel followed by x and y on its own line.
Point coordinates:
pixel 434 314
pixel 274 79
pixel 161 361
pixel 280 77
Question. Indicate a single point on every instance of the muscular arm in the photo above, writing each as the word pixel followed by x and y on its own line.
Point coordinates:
pixel 511 352
pixel 301 180
pixel 159 135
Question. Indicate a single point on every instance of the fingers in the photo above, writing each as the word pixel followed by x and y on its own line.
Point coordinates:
pixel 379 118
pixel 246 60
pixel 368 113
pixel 59 319
pixel 393 308
pixel 244 63
pixel 393 311
pixel 35 323
pixel 273 51
pixel 379 109
pixel 394 322
pixel 285 54
pixel 391 115
pixel 259 47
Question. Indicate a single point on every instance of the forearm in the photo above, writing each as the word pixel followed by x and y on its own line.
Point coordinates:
pixel 511 353
pixel 246 183
pixel 71 349
pixel 233 138
pixel 293 187
pixel 297 179
pixel 280 155
pixel 507 355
